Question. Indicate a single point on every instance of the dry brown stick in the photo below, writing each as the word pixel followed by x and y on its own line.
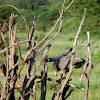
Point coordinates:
pixel 28 49
pixel 76 87
pixel 12 54
pixel 8 95
pixel 43 67
pixel 28 45
pixel 15 65
pixel 7 72
pixel 19 52
pixel 32 93
pixel 69 6
pixel 88 68
pixel 31 63
pixel 19 93
pixel 4 59
pixel 50 39
pixel 49 79
pixel 17 10
pixel 2 51
pixel 27 56
pixel 83 72
pixel 73 54
pixel 15 32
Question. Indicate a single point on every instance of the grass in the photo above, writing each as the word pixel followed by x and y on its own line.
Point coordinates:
pixel 64 41
pixel 60 44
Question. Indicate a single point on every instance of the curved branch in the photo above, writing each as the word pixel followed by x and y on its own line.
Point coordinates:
pixel 17 10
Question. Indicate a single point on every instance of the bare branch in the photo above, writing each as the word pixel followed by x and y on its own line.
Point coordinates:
pixel 88 68
pixel 69 6
pixel 73 54
pixel 19 52
pixel 61 15
pixel 14 44
pixel 43 67
pixel 7 72
pixel 17 10
pixel 19 93
pixel 68 94
pixel 76 87
pixel 83 72
pixel 49 40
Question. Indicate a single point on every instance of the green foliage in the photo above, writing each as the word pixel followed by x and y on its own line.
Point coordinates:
pixel 47 11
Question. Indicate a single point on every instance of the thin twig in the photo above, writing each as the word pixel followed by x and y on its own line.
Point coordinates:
pixel 83 72
pixel 2 51
pixel 76 87
pixel 15 65
pixel 69 6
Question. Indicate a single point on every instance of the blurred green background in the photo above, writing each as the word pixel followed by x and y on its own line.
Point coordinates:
pixel 46 13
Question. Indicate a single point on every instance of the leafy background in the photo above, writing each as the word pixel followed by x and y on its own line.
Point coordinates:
pixel 46 13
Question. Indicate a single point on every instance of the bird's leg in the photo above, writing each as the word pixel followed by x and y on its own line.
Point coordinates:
pixel 63 75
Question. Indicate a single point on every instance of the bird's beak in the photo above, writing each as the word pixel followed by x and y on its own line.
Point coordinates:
pixel 55 73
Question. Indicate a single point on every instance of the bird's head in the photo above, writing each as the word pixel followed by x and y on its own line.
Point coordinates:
pixel 55 69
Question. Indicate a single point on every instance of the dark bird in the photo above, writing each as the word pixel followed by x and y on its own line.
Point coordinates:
pixel 63 63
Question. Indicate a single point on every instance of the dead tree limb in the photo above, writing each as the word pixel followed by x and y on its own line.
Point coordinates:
pixel 2 51
pixel 19 93
pixel 63 94
pixel 43 67
pixel 31 67
pixel 76 87
pixel 27 56
pixel 73 54
pixel 19 52
pixel 88 68
pixel 50 39
pixel 85 66
pixel 7 70
pixel 48 79
pixel 12 56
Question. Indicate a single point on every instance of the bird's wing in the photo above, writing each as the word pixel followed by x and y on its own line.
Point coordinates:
pixel 64 62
